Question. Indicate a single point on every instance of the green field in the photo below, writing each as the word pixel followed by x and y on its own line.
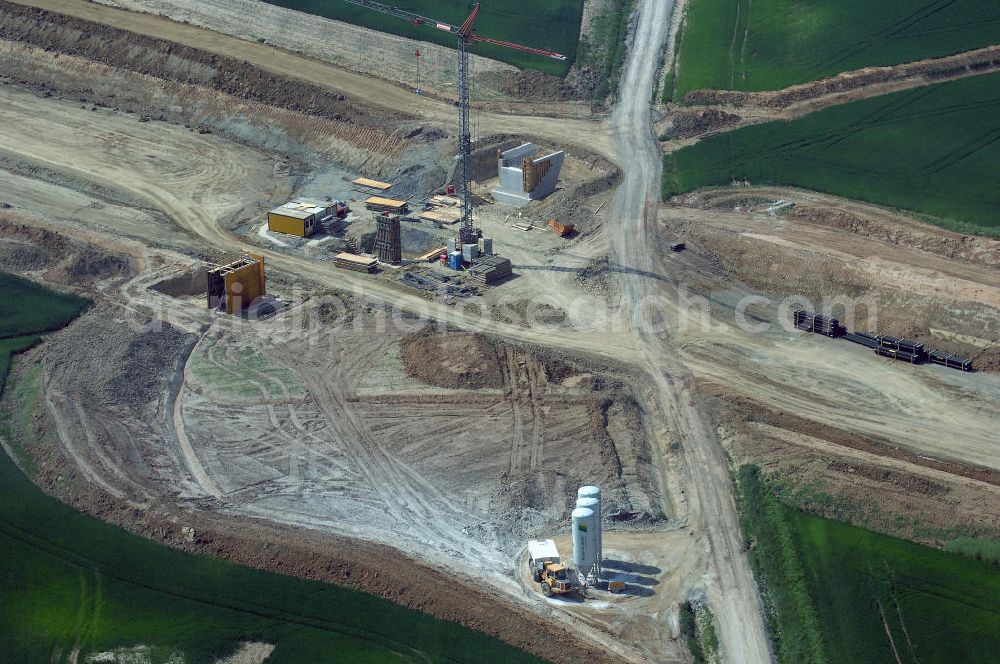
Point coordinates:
pixel 836 592
pixel 71 582
pixel 27 308
pixel 932 150
pixel 606 49
pixel 986 550
pixel 771 44
pixel 9 347
pixel 553 25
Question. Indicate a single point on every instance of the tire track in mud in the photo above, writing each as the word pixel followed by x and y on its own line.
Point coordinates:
pixel 175 423
pixel 524 381
pixel 417 507
pixel 64 435
pixel 273 487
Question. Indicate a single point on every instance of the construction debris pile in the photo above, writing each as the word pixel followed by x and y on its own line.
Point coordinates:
pixel 439 284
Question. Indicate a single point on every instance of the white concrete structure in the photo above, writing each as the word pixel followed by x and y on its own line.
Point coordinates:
pixel 590 497
pixel 584 526
pixel 595 505
pixel 523 178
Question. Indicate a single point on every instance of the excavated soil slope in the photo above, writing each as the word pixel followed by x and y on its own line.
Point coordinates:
pixel 460 360
pixel 183 64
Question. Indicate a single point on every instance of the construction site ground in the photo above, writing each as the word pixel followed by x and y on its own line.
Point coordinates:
pixel 375 435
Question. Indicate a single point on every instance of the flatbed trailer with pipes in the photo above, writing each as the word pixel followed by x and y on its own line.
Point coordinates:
pixel 896 348
pixel 863 338
pixel 901 355
pixel 897 343
pixel 817 323
pixel 950 361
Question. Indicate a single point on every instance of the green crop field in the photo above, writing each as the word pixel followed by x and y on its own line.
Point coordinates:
pixel 27 308
pixel 771 44
pixel 553 25
pixel 9 347
pixel 931 150
pixel 836 593
pixel 71 582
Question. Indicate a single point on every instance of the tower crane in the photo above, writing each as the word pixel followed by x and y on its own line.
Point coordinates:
pixel 467 233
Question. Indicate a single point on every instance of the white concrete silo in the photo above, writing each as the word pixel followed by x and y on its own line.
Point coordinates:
pixel 587 494
pixel 595 505
pixel 584 526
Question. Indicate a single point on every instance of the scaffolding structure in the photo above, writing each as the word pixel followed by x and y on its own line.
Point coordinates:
pixel 388 246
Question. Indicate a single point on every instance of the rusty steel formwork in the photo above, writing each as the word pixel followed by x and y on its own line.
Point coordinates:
pixel 388 246
pixel 237 284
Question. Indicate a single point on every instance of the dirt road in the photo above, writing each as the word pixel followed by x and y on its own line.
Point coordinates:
pixel 731 587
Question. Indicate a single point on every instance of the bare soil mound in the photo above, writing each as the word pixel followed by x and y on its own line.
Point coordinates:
pixel 112 364
pixel 98 265
pixel 536 86
pixel 189 283
pixel 20 256
pixel 67 261
pixel 690 123
pixel 456 360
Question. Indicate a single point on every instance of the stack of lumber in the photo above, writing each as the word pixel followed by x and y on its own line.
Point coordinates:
pixel 355 262
pixel 490 269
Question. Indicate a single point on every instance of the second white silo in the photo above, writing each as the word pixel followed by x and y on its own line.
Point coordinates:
pixel 595 505
pixel 587 496
pixel 584 526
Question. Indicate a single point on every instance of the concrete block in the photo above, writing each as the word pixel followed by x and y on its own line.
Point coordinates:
pixel 524 178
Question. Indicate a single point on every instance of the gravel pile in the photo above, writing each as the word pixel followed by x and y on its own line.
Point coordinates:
pixel 105 362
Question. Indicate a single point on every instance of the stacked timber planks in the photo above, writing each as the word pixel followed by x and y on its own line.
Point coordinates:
pixel 355 262
pixel 490 269
pixel 442 215
pixel 382 204
pixel 433 254
pixel 372 184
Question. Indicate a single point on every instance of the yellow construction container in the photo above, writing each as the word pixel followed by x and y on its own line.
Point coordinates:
pixel 301 217
pixel 281 223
